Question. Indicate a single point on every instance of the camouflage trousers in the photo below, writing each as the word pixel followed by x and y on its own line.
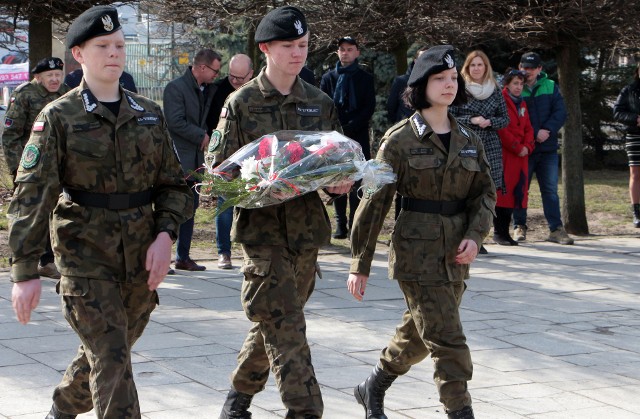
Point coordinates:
pixel 431 325
pixel 108 317
pixel 278 282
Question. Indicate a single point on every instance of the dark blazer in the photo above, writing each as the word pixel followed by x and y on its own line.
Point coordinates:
pixel 355 124
pixel 185 108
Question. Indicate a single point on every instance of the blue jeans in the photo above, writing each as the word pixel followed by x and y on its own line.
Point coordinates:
pixel 185 232
pixel 545 166
pixel 223 228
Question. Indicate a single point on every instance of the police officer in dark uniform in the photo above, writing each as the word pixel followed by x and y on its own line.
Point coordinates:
pixel 124 196
pixel 280 242
pixel 448 200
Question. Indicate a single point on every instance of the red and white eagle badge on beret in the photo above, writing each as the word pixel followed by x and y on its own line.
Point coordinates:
pixel 38 126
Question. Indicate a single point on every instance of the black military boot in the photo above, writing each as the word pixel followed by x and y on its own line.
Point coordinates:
pixel 56 414
pixel 636 215
pixel 464 413
pixel 341 231
pixel 370 393
pixel 236 406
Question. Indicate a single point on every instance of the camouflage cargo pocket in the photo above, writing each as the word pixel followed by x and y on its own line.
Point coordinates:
pixel 417 247
pixel 255 289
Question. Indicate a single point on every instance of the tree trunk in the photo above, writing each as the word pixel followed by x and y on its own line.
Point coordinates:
pixel 573 205
pixel 40 36
pixel 400 53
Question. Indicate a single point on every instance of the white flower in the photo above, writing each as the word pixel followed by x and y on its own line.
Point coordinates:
pixel 249 169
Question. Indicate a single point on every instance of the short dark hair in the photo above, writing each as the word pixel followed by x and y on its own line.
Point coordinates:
pixel 206 56
pixel 415 97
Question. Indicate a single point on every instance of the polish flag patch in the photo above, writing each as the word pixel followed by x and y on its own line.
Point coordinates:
pixel 223 113
pixel 38 126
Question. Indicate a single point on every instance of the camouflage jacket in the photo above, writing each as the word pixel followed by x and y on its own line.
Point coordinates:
pixel 77 143
pixel 424 245
pixel 27 101
pixel 257 109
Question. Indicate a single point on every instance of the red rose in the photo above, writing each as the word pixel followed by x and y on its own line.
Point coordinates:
pixel 264 150
pixel 295 152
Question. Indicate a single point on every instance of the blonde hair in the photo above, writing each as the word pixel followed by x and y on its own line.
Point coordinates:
pixel 488 73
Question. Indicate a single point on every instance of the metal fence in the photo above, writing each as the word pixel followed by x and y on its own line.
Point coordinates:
pixel 152 67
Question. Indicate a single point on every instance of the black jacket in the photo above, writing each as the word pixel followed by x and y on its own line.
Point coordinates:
pixel 223 89
pixel 627 107
pixel 397 110
pixel 355 124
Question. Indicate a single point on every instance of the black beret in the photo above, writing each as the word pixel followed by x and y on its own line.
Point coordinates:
pixel 47 64
pixel 281 24
pixel 432 61
pixel 530 60
pixel 97 21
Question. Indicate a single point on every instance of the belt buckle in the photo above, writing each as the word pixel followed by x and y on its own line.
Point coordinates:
pixel 118 201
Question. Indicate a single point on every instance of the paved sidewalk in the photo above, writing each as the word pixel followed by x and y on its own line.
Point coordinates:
pixel 554 332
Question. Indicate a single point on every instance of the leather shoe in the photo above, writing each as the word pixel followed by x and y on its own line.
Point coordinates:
pixel 49 270
pixel 224 261
pixel 188 265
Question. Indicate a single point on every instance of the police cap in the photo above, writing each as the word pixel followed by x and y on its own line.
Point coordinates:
pixel 432 61
pixel 97 21
pixel 47 64
pixel 281 24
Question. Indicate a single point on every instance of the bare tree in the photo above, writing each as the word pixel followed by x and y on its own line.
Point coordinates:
pixel 41 14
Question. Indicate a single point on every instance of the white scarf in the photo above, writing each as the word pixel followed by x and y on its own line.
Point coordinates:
pixel 481 91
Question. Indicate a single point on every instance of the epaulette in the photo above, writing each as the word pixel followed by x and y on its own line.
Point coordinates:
pixel 22 86
pixel 395 127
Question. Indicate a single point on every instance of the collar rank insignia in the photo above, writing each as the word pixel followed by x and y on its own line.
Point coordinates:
pixel 107 23
pixel 421 127
pixel 134 104
pixel 89 104
pixel 464 131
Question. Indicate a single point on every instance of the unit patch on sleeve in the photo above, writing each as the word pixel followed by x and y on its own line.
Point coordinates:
pixel 215 141
pixel 8 122
pixel 30 156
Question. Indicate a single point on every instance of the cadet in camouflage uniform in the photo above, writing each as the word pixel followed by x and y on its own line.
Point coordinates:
pixel 27 101
pixel 123 199
pixel 280 243
pixel 448 200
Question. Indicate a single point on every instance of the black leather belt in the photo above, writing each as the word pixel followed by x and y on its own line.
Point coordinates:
pixel 111 201
pixel 433 207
